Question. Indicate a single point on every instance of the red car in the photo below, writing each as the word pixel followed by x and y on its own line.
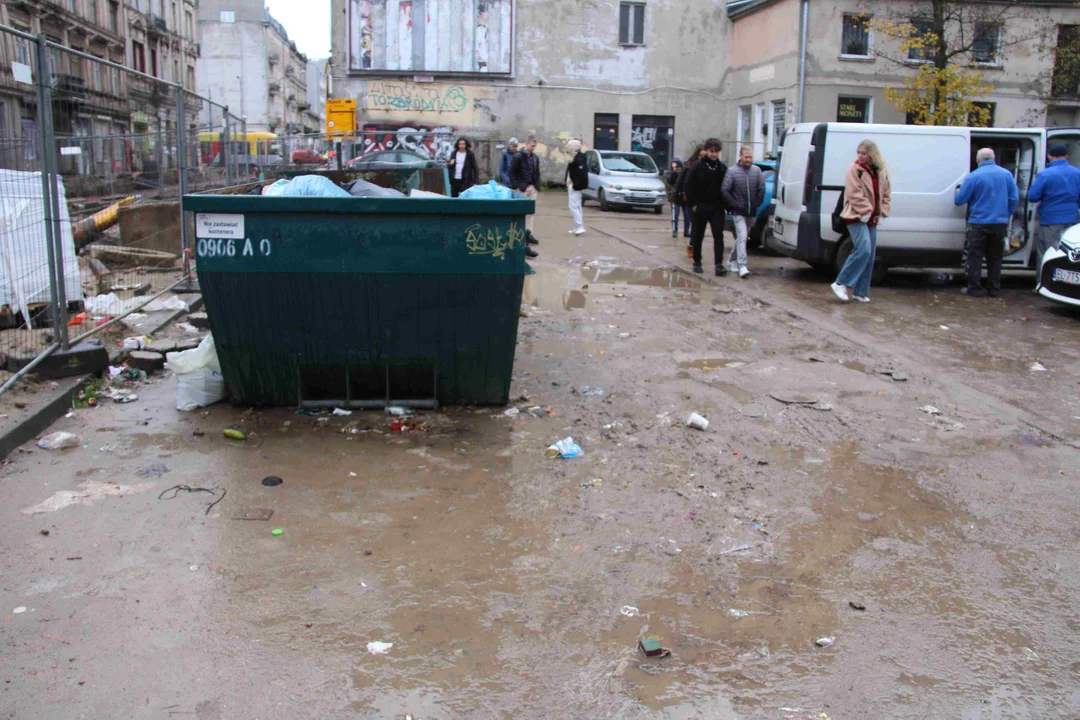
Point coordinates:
pixel 307 156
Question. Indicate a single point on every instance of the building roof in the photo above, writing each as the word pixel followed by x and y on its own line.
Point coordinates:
pixel 737 8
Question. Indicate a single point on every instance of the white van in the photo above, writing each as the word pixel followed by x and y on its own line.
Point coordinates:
pixel 926 165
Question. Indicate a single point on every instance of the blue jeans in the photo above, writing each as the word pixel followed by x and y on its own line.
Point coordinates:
pixel 860 263
pixel 675 209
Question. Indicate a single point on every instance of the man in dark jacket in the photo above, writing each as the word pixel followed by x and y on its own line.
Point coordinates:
pixel 703 185
pixel 506 160
pixel 744 191
pixel 525 175
pixel 577 176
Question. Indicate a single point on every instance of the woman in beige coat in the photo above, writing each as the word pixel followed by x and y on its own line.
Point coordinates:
pixel 867 199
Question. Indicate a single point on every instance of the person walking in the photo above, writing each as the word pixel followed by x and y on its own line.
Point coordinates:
pixel 506 160
pixel 1057 190
pixel 991 195
pixel 680 192
pixel 525 176
pixel 464 172
pixel 671 183
pixel 744 191
pixel 577 179
pixel 867 200
pixel 703 193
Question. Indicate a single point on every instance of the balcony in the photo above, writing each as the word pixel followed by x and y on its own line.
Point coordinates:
pixel 303 107
pixel 274 88
pixel 68 87
pixel 156 25
pixel 274 58
pixel 290 70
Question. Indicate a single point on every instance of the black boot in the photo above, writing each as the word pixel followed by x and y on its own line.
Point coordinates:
pixel 698 269
pixel 721 271
pixel 530 239
pixel 529 252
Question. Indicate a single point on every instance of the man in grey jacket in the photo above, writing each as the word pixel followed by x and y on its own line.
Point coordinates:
pixel 743 191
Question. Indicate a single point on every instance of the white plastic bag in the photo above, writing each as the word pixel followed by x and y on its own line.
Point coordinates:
pixel 199 381
pixel 59 440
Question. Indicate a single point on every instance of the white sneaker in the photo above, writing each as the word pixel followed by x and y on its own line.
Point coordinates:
pixel 840 291
pixel 732 267
pixel 860 298
pixel 743 272
pixel 579 231
pixel 570 231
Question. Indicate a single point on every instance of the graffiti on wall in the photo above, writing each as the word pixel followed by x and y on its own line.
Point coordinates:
pixel 468 36
pixel 643 138
pixel 431 142
pixel 413 97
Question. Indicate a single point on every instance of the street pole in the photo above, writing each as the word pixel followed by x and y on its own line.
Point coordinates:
pixel 182 166
pixel 50 180
pixel 225 142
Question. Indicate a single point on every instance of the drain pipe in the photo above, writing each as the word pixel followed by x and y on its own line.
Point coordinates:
pixel 802 55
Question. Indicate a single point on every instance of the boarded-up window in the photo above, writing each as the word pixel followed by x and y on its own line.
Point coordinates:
pixel 431 36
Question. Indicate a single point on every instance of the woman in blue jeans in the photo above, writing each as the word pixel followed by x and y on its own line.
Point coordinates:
pixel 867 200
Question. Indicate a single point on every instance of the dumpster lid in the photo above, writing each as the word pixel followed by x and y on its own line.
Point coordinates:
pixel 357 205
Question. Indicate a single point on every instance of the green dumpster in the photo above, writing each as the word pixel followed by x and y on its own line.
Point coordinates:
pixel 362 302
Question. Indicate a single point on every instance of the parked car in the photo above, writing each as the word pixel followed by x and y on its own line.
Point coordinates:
pixel 390 160
pixel 926 164
pixel 764 212
pixel 1060 277
pixel 307 156
pixel 624 179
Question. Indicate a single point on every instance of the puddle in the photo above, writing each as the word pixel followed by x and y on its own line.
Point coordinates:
pixel 708 364
pixel 741 396
pixel 657 277
pixel 855 366
pixel 555 288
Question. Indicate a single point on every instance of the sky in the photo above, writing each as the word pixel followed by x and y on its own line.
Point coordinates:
pixel 307 22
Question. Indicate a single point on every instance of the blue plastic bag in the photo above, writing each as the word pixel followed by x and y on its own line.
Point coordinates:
pixel 491 191
pixel 313 186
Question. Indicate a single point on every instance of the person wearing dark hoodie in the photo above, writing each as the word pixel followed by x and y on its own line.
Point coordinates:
pixel 671 182
pixel 464 172
pixel 577 179
pixel 680 192
pixel 704 182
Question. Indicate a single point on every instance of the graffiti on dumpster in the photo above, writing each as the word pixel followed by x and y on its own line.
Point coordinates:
pixel 491 241
pixel 431 142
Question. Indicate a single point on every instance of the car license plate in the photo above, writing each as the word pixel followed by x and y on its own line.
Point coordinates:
pixel 639 196
pixel 1069 277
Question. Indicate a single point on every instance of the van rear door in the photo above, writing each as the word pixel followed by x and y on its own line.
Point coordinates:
pixel 790 183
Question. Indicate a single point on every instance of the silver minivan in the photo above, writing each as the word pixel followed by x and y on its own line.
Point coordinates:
pixel 624 179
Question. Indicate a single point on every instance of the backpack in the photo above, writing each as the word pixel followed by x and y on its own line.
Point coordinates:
pixel 839 224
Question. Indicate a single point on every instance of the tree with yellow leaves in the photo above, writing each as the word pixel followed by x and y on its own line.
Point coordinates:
pixel 948 44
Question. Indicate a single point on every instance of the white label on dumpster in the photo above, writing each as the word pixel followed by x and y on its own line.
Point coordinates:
pixel 219 225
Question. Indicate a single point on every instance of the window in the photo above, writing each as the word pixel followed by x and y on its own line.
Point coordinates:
pixel 91 11
pixel 175 19
pixel 114 82
pixel 71 5
pixel 187 26
pixel 779 123
pixel 974 120
pixel 631 23
pixel 922 27
pixel 99 83
pixel 1066 82
pixel 114 16
pixel 153 62
pixel 606 133
pixel 653 135
pixel 854 109
pixel 176 71
pixel 593 160
pixel 856 37
pixel 138 56
pixel 228 16
pixel 190 78
pixel 984 47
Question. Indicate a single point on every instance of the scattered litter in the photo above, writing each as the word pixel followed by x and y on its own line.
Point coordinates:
pixel 59 440
pixel 629 611
pixel 624 335
pixel 339 411
pixel 651 647
pixel 856 605
pixel 120 396
pixel 272 481
pixel 193 568
pixel 352 474
pixel 793 399
pixel 739 548
pixel 186 327
pixel 177 489
pixel 19 610
pixel 512 412
pixel 151 469
pixel 824 641
pixel 235 434
pixel 44 532
pixel 379 648
pixel 172 303
pixel 255 514
pixel 594 483
pixel 199 381
pixel 930 410
pixel 620 295
pixel 137 343
pixel 943 327
pixel 697 422
pixel 1037 367
pixel 277 532
pixel 590 391
pixel 397 411
pixel 822 407
pixel 77 320
pixel 565 448
pixel 737 613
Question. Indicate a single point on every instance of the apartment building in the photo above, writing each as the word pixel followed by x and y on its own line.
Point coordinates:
pixel 249 64
pixel 92 100
pixel 318 83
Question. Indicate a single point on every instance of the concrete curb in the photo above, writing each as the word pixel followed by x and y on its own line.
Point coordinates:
pixel 869 343
pixel 50 411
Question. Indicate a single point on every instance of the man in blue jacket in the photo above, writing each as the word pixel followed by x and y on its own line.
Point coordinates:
pixel 1057 190
pixel 506 160
pixel 991 195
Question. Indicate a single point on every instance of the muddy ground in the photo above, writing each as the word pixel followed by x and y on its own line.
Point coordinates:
pixel 825 500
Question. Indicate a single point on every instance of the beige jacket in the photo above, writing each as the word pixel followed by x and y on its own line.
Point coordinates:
pixel 859 194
